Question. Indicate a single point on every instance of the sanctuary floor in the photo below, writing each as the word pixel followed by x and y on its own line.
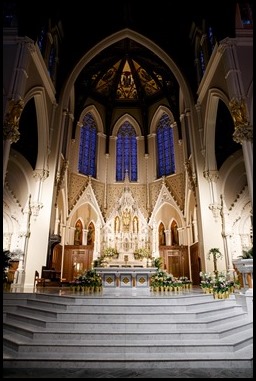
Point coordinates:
pixel 128 373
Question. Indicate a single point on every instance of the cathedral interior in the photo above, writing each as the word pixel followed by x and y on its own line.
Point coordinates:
pixel 127 127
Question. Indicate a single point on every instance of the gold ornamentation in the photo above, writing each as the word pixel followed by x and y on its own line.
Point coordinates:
pixel 11 122
pixel 243 133
pixel 109 280
pixel 239 112
pixel 126 280
pixel 126 217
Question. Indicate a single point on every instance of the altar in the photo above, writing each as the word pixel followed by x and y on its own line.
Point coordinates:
pixel 126 277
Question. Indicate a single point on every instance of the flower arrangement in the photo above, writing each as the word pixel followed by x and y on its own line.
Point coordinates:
pixel 162 281
pixel 142 253
pixel 90 281
pixel 110 252
pixel 5 261
pixel 207 280
pixel 220 286
pixel 160 278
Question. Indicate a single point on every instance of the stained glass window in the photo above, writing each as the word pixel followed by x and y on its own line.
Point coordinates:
pixel 165 147
pixel 211 38
pixel 126 153
pixel 42 41
pixel 51 63
pixel 202 61
pixel 87 149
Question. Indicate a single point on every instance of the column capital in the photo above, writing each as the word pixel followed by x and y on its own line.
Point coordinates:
pixel 242 133
pixel 11 121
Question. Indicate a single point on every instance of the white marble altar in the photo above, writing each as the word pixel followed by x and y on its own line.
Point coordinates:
pixel 126 229
pixel 126 277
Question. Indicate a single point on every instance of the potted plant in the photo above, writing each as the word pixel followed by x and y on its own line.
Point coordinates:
pixel 247 254
pixel 244 267
pixel 157 262
pixel 6 265
pixel 215 254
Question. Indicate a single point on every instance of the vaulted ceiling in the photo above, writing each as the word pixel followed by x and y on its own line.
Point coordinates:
pixel 126 75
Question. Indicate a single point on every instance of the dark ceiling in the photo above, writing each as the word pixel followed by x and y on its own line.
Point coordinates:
pixel 167 23
pixel 126 74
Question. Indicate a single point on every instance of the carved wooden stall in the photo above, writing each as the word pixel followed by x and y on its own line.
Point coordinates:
pixel 77 260
pixel 175 260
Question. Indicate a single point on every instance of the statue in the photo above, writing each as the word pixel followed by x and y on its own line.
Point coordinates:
pixel 126 218
pixel 135 225
pixel 117 224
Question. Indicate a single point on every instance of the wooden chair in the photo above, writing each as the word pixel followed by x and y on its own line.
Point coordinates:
pixel 38 281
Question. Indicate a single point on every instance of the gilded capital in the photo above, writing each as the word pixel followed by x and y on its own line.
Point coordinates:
pixel 243 133
pixel 239 112
pixel 11 121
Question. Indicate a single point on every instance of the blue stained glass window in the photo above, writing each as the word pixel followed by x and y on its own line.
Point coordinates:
pixel 165 147
pixel 211 38
pixel 42 41
pixel 202 61
pixel 126 153
pixel 87 149
pixel 51 63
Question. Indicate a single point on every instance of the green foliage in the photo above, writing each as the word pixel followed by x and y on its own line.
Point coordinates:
pixel 110 252
pixel 6 260
pixel 215 253
pixel 157 262
pixel 161 278
pixel 142 253
pixel 247 254
pixel 90 279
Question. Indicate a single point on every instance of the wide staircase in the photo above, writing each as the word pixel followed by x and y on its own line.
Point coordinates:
pixel 189 330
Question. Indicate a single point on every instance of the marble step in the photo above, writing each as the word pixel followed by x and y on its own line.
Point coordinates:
pixel 130 332
pixel 133 345
pixel 102 306
pixel 65 320
pixel 75 333
pixel 239 359
pixel 220 307
pixel 115 299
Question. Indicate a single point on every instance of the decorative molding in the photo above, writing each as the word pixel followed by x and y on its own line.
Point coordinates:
pixel 215 208
pixel 35 208
pixel 191 176
pixel 40 174
pixel 243 130
pixel 243 133
pixel 239 112
pixel 211 175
